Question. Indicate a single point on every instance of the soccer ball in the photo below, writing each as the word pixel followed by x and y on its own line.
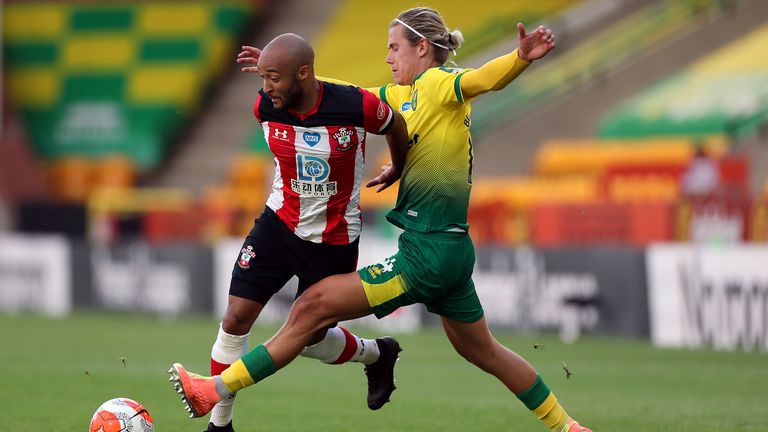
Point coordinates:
pixel 121 415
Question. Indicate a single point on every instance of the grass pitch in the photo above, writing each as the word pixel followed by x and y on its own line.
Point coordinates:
pixel 56 372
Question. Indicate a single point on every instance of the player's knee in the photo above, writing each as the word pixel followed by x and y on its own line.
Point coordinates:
pixel 467 353
pixel 236 323
pixel 311 310
pixel 479 354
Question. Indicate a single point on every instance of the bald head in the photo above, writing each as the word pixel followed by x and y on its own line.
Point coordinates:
pixel 287 52
pixel 287 65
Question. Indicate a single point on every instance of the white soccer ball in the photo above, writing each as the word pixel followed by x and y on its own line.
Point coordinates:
pixel 121 415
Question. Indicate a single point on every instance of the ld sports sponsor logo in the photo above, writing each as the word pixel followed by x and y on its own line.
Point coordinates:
pixel 312 173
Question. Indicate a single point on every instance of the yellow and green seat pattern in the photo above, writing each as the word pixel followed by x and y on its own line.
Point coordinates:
pixel 91 79
pixel 724 93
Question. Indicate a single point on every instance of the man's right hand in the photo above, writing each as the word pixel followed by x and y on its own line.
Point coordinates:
pixel 249 56
pixel 384 180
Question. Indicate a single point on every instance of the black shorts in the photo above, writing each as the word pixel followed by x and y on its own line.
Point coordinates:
pixel 272 254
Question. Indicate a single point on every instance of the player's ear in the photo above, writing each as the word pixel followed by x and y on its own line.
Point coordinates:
pixel 303 72
pixel 422 48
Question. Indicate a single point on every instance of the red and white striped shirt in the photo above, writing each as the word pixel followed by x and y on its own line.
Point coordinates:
pixel 319 159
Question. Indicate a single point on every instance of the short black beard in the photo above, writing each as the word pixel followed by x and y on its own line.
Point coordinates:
pixel 292 96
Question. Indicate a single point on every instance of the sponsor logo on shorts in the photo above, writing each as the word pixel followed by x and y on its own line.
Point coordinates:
pixel 377 269
pixel 374 271
pixel 246 254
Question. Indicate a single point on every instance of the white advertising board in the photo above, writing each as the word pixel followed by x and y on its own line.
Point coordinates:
pixel 709 296
pixel 35 274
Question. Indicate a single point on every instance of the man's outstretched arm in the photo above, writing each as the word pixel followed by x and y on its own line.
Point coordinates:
pixel 497 73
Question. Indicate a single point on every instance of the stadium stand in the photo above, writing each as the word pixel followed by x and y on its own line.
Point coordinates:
pixel 94 79
pixel 482 23
pixel 570 157
pixel 610 192
pixel 576 185
pixel 724 93
pixel 597 56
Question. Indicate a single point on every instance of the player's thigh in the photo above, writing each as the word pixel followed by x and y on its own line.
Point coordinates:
pixel 313 262
pixel 260 270
pixel 335 298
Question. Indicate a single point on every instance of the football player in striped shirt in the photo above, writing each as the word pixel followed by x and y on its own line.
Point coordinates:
pixel 435 259
pixel 311 223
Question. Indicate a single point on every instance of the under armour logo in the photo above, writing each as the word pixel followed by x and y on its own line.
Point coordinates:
pixel 281 134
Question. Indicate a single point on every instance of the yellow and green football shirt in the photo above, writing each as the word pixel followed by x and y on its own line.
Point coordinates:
pixel 437 178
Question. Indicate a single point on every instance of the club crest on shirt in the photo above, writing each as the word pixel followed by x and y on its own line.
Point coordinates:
pixel 343 139
pixel 246 254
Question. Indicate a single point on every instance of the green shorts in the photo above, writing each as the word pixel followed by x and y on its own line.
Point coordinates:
pixel 434 269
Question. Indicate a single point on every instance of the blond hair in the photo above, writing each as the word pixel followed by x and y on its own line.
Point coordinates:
pixel 428 23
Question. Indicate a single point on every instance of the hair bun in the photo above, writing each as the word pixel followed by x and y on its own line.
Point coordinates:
pixel 455 39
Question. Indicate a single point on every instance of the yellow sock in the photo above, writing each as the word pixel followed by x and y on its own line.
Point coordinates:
pixel 236 376
pixel 539 399
pixel 252 368
pixel 552 414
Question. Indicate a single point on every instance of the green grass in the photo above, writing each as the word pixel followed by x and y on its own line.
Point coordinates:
pixel 617 385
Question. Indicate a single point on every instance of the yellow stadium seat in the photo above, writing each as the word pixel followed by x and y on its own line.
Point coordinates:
pixel 115 172
pixel 581 157
pixel 72 178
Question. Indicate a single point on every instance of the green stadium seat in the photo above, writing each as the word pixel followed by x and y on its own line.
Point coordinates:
pixel 717 95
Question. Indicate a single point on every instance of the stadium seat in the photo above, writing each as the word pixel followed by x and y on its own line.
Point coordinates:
pixel 482 24
pixel 597 56
pixel 72 179
pixel 115 172
pixel 592 157
pixel 94 79
pixel 713 96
